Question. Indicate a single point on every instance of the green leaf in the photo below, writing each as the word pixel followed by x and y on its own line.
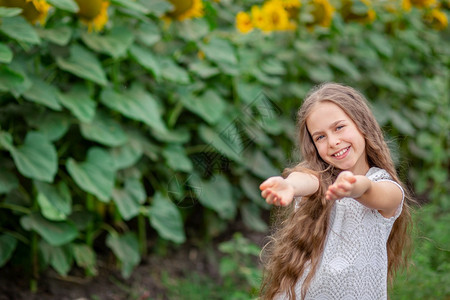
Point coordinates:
pixel 381 44
pixel 84 64
pixel 176 158
pixel 216 194
pixel 55 233
pixel 172 72
pixel 104 129
pixel 43 93
pixel 126 155
pixel 219 51
pixel 146 59
pixel 60 258
pixel 181 135
pixel 36 158
pixel 132 5
pixel 52 125
pixel 6 55
pixel 227 141
pixel 251 217
pixel 192 29
pixel 19 29
pixel 96 175
pixel 260 165
pixel 9 11
pixel 401 123
pixel 126 249
pixel 136 104
pixel 60 35
pixel 67 5
pixel 158 7
pixel 79 102
pixel 203 69
pixel 13 81
pixel 85 258
pixel 129 199
pixel 209 106
pixel 115 43
pixel 6 141
pixel 55 201
pixel 250 187
pixel 7 246
pixel 166 219
pixel 148 33
pixel 273 67
pixel 8 181
pixel 345 65
pixel 320 73
pixel 384 79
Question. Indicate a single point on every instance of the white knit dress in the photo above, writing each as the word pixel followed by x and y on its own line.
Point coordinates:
pixel 354 261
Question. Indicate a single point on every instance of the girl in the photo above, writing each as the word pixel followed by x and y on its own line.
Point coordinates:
pixel 348 231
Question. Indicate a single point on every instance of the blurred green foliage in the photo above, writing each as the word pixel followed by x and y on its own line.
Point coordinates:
pixel 161 125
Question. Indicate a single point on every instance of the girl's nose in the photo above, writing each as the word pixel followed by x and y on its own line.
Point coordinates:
pixel 334 141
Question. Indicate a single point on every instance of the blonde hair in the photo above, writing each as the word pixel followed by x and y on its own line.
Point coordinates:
pixel 300 240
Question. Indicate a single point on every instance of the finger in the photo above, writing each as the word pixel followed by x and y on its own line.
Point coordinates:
pixel 268 183
pixel 264 193
pixel 350 179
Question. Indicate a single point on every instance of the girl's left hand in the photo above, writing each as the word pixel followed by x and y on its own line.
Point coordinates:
pixel 342 187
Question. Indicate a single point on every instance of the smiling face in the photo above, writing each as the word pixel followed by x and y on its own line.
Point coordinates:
pixel 337 139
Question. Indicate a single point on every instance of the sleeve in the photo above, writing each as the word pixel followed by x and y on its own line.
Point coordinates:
pixel 382 175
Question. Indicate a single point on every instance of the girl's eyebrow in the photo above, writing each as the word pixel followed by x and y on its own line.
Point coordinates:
pixel 331 126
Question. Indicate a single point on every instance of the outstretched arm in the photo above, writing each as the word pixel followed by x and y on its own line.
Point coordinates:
pixel 281 191
pixel 384 196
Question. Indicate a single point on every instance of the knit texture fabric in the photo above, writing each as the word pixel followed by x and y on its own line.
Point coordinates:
pixel 354 262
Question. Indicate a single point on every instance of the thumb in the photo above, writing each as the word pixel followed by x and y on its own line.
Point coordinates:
pixel 267 183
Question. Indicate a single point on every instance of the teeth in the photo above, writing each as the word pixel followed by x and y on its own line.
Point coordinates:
pixel 341 152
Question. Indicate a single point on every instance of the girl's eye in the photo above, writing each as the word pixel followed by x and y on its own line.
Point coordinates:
pixel 319 138
pixel 339 127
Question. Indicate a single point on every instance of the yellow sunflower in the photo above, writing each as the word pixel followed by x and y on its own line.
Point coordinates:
pixel 277 18
pixel 32 10
pixel 349 15
pixel 437 19
pixel 322 11
pixel 244 22
pixel 93 13
pixel 186 9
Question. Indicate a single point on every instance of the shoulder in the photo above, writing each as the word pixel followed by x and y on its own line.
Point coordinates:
pixel 376 174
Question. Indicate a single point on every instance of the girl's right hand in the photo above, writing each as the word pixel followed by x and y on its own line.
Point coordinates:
pixel 277 191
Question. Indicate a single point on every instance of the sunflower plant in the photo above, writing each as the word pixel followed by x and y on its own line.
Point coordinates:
pixel 122 131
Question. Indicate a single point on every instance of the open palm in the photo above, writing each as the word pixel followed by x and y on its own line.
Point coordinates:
pixel 277 191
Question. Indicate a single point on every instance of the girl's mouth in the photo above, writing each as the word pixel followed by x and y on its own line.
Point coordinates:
pixel 342 153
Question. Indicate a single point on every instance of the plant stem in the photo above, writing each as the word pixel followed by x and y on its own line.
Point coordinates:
pixel 90 206
pixel 142 233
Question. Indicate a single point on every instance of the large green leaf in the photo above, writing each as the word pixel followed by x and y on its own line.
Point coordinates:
pixel 219 51
pixel 104 129
pixel 55 200
pixel 342 63
pixel 129 199
pixel 146 59
pixel 260 165
pixel 126 155
pixel 13 81
pixel 36 158
pixel 136 104
pixel 85 258
pixel 55 233
pixel 227 140
pixel 9 11
pixel 43 93
pixel 67 5
pixel 52 125
pixel 192 29
pixel 173 72
pixel 84 64
pixel 79 102
pixel 6 54
pixel 60 258
pixel 166 219
pixel 8 181
pixel 60 35
pixel 251 217
pixel 216 194
pixel 158 7
pixel 96 175
pixel 209 106
pixel 115 43
pixel 7 246
pixel 126 249
pixel 19 29
pixel 148 33
pixel 176 158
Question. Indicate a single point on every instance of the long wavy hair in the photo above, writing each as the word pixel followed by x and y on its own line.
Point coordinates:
pixel 299 241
